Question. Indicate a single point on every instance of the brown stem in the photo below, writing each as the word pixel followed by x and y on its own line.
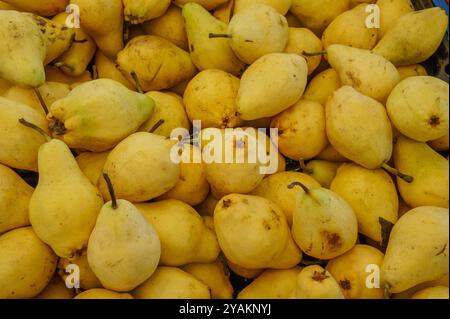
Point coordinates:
pixel 41 100
pixel 292 185
pixel 396 172
pixel 314 53
pixel 156 126
pixel 220 35
pixel 36 128
pixel 136 81
pixel 111 190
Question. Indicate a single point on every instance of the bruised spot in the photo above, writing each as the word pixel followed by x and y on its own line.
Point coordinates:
pixel 355 80
pixel 319 276
pixel 226 203
pixel 332 240
pixel 345 284
pixel 266 225
pixel 435 120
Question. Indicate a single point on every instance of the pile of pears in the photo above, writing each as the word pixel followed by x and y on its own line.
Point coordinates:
pixel 357 206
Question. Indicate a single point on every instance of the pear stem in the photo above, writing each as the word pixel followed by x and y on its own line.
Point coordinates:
pixel 136 81
pixel 111 190
pixel 292 185
pixel 314 53
pixel 220 35
pixel 41 100
pixel 156 126
pixel 304 169
pixel 35 127
pixel 396 172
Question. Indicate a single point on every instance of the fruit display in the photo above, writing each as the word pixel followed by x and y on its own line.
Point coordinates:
pixel 224 149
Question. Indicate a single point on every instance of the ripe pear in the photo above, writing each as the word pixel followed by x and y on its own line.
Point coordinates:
pixel 169 112
pixel 350 28
pixel 107 69
pixel 243 272
pixel 158 63
pixel 46 8
pixel 184 236
pixel 211 97
pixel 88 280
pixel 124 249
pixel 15 196
pixel 76 59
pixel 258 98
pixel 317 15
pixel 54 74
pixel 417 249
pixel 141 168
pixel 411 70
pixel 390 12
pixel 215 275
pixel 430 171
pixel 99 114
pixel 138 11
pixel 207 4
pixel 352 271
pixel 26 264
pixel 256 31
pixel 56 289
pixel 322 171
pixel 282 6
pixel 253 233
pixel 372 195
pixel 103 21
pixel 369 73
pixel 322 86
pixel 13 151
pixel 63 221
pixel 23 50
pixel 102 294
pixel 301 130
pixel 279 189
pixel 314 282
pixel 324 225
pixel 91 164
pixel 169 26
pixel 441 144
pixel 332 155
pixel 172 283
pixel 419 108
pixel 438 292
pixel 359 128
pixel 414 37
pixel 272 284
pixel 209 53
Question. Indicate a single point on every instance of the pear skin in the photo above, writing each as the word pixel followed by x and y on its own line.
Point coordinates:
pixel 282 6
pixel 107 69
pixel 207 4
pixel 102 294
pixel 391 11
pixel 45 8
pixel 314 282
pixel 138 11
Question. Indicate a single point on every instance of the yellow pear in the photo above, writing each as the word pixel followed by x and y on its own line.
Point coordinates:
pixel 243 272
pixel 322 171
pixel 169 26
pixel 272 284
pixel 124 249
pixel 15 196
pixel 91 164
pixel 46 8
pixel 215 275
pixel 13 151
pixel 26 264
pixel 63 221
pixel 258 98
pixel 172 283
pixel 350 28
pixel 23 50
pixel 430 171
pixel 332 155
pixel 302 41
pixel 107 69
pixel 324 225
pixel 169 114
pixel 322 86
pixel 156 62
pixel 282 6
pixel 353 271
pixel 279 189
pixel 372 195
pixel 441 144
pixel 99 114
pixel 76 59
pixel 141 168
pixel 54 74
pixel 211 98
pixel 417 249
pixel 138 11
pixel 88 280
pixel 184 236
pixel 390 12
pixel 314 282
pixel 253 233
pixel 359 128
pixel 317 15
pixel 369 73
pixel 438 292
pixel 207 4
pixel 407 294
pixel 414 37
pixel 209 53
pixel 301 130
pixel 56 289
pixel 102 294
pixel 419 108
pixel 103 21
pixel 411 70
